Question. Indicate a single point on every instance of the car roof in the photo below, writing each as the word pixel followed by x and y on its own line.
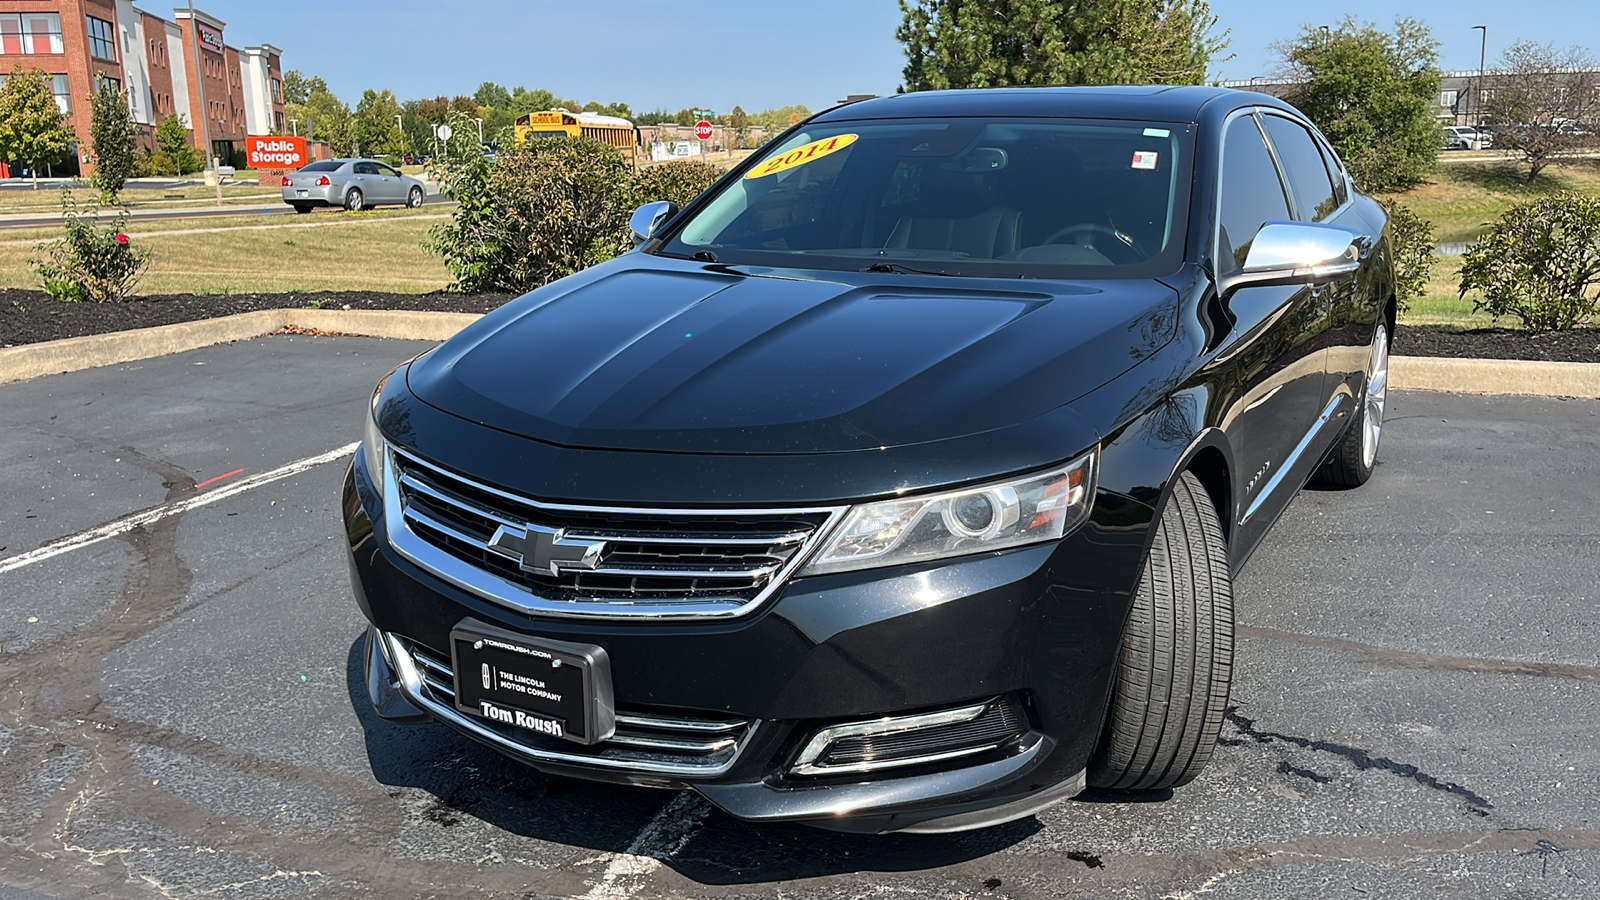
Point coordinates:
pixel 1148 102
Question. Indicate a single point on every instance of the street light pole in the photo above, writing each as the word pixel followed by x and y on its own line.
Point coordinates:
pixel 200 81
pixel 480 131
pixel 1477 92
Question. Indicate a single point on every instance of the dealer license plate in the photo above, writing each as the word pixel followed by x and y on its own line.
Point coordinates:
pixel 544 687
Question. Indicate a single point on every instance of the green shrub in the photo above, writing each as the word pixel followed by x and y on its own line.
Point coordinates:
pixel 679 182
pixel 545 210
pixel 1411 240
pixel 92 262
pixel 1540 262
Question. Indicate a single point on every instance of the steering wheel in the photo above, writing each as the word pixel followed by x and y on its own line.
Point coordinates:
pixel 1083 230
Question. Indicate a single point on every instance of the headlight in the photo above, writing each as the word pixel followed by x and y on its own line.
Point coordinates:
pixel 372 445
pixel 1027 510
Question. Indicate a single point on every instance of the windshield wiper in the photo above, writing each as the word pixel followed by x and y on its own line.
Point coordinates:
pixel 902 270
pixel 698 256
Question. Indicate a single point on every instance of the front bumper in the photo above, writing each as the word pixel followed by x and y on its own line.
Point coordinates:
pixel 1040 624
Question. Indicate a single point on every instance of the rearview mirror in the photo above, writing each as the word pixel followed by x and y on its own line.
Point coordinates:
pixel 649 217
pixel 1296 253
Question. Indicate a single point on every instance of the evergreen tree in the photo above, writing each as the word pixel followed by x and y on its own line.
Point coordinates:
pixel 997 43
pixel 1373 93
pixel 111 137
pixel 33 132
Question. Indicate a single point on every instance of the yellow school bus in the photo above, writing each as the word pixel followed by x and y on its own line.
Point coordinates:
pixel 558 123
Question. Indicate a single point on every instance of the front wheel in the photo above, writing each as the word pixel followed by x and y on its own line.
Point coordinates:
pixel 353 200
pixel 1352 461
pixel 414 200
pixel 1176 665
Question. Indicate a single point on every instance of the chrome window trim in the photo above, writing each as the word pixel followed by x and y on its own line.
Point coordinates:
pixel 1311 131
pixel 1288 195
pixel 412 685
pixel 498 590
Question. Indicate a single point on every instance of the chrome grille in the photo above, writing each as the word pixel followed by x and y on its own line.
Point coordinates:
pixel 687 563
pixel 674 744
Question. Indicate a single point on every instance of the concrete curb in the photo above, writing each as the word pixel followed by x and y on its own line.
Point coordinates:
pixel 73 354
pixel 1406 373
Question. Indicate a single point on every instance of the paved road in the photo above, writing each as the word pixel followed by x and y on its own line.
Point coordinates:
pixel 181 712
pixel 263 207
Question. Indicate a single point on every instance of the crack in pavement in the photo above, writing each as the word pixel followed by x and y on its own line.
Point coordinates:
pixel 1408 659
pixel 1361 759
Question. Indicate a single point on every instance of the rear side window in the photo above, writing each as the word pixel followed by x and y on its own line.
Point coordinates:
pixel 366 168
pixel 1303 167
pixel 1252 194
pixel 327 165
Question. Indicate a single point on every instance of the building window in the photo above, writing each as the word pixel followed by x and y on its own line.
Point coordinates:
pixel 277 91
pixel 101 43
pixel 101 79
pixel 1447 98
pixel 30 33
pixel 278 118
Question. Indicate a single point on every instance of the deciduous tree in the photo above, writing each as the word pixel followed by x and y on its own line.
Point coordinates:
pixel 1373 93
pixel 1545 102
pixel 998 43
pixel 111 138
pixel 33 132
pixel 172 136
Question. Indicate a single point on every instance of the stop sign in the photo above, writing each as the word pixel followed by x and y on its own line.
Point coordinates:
pixel 702 130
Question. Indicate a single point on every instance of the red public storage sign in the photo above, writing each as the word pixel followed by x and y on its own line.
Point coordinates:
pixel 702 130
pixel 276 152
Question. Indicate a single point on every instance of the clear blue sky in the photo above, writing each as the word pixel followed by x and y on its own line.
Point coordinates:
pixel 717 53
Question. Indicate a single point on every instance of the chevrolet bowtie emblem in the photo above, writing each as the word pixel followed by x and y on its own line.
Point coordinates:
pixel 545 550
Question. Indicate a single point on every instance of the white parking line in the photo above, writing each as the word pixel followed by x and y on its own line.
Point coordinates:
pixel 156 514
pixel 661 838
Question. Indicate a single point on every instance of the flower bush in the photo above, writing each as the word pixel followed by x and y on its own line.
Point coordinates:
pixel 92 262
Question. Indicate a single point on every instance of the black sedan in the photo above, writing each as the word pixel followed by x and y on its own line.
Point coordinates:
pixel 899 481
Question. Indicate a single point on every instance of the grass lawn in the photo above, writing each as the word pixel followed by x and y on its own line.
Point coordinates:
pixel 48 200
pixel 375 251
pixel 1461 199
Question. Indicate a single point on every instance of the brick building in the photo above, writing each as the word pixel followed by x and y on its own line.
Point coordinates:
pixel 164 66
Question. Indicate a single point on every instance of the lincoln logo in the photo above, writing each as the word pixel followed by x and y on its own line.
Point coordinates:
pixel 545 550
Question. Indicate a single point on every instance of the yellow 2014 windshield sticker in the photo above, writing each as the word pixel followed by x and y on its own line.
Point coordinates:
pixel 801 155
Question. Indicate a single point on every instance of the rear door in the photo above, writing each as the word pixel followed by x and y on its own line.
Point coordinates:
pixel 394 186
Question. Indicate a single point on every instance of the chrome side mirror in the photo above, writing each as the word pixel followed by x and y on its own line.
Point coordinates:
pixel 649 217
pixel 1296 253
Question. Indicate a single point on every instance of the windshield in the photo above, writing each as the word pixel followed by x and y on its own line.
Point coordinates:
pixel 984 197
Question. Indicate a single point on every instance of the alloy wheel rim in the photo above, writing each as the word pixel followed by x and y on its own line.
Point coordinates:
pixel 416 198
pixel 1377 391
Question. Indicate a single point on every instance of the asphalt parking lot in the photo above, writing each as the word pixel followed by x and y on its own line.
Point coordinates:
pixel 182 712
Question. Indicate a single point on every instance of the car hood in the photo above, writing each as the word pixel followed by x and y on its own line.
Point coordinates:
pixel 647 353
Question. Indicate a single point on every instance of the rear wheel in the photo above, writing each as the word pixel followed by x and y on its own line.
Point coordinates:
pixel 414 199
pixel 1176 664
pixel 1352 461
pixel 353 201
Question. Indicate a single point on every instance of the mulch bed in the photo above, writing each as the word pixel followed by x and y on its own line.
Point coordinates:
pixel 28 316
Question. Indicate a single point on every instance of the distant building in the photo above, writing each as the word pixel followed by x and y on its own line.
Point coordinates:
pixel 161 65
pixel 1456 104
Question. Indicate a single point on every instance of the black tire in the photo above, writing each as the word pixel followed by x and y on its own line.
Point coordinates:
pixel 353 201
pixel 1349 464
pixel 1176 664
pixel 302 208
pixel 414 199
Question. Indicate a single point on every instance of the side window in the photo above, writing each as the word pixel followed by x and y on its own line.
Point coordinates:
pixel 366 168
pixel 1303 167
pixel 385 170
pixel 1252 194
pixel 1340 189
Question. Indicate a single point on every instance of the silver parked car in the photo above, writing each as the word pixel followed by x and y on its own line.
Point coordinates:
pixel 350 183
